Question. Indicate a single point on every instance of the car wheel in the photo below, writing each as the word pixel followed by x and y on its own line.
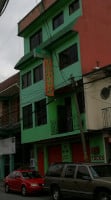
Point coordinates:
pixel 23 191
pixel 103 195
pixel 56 193
pixel 7 188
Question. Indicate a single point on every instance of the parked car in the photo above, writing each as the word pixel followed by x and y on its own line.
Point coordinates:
pixel 25 181
pixel 92 181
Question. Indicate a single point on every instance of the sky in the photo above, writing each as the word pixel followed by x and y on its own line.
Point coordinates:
pixel 11 45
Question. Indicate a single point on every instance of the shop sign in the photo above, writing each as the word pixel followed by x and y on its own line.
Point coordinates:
pixel 49 77
pixel 7 146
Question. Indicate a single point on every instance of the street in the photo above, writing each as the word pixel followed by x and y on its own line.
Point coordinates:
pixel 13 196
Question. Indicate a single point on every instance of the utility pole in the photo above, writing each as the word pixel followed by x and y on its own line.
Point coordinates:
pixel 74 85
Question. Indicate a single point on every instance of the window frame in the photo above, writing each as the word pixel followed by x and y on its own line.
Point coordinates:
pixel 38 73
pixel 40 112
pixel 74 6
pixel 36 39
pixel 68 56
pixel 26 80
pixel 27 116
pixel 58 20
pixel 71 168
pixel 82 171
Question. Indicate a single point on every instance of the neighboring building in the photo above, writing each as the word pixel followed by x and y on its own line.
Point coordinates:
pixel 95 48
pixel 11 150
pixel 98 108
pixel 63 40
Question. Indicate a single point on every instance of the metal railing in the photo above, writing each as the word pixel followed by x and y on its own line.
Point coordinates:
pixel 65 125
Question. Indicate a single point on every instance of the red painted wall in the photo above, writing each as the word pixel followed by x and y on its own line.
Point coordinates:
pixel 54 154
pixel 41 161
pixel 77 152
pixel 94 28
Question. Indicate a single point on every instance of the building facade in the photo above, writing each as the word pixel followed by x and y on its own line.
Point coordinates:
pixel 63 44
pixel 9 123
pixel 11 151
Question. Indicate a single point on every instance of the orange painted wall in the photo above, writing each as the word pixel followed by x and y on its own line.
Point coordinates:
pixel 94 28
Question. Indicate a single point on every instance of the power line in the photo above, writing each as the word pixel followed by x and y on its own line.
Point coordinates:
pixel 3 5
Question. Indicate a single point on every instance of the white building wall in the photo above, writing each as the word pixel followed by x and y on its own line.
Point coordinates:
pixel 94 103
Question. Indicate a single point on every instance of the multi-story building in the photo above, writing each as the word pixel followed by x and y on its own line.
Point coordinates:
pixel 11 150
pixel 63 43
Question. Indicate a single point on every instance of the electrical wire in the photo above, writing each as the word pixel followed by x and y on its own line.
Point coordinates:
pixel 3 5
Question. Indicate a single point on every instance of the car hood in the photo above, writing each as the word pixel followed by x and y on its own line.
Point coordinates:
pixel 35 180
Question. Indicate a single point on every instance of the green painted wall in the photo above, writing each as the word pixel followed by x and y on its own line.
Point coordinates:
pixel 97 148
pixel 45 22
pixel 36 92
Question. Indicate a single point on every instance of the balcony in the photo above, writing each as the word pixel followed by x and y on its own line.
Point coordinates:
pixel 66 125
pixel 106 117
pixel 61 126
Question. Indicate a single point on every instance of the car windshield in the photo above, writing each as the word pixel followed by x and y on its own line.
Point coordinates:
pixel 101 171
pixel 31 174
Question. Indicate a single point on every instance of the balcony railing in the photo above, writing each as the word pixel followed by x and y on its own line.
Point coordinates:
pixel 106 116
pixel 66 125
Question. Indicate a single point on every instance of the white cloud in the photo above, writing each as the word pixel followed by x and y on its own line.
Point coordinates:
pixel 11 46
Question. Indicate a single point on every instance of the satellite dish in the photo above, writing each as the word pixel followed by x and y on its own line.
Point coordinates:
pixel 3 5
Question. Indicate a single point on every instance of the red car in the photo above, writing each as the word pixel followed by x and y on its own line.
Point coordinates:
pixel 24 181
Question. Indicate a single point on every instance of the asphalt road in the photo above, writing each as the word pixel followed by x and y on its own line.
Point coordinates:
pixel 13 196
pixel 16 196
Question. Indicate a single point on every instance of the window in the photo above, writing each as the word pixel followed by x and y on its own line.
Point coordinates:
pixel 38 73
pixel 74 6
pixel 55 170
pixel 40 112
pixel 58 20
pixel 26 80
pixel 70 170
pixel 64 113
pixel 36 39
pixel 68 56
pixel 82 172
pixel 27 116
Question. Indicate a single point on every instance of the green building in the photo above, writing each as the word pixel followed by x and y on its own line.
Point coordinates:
pixel 53 117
